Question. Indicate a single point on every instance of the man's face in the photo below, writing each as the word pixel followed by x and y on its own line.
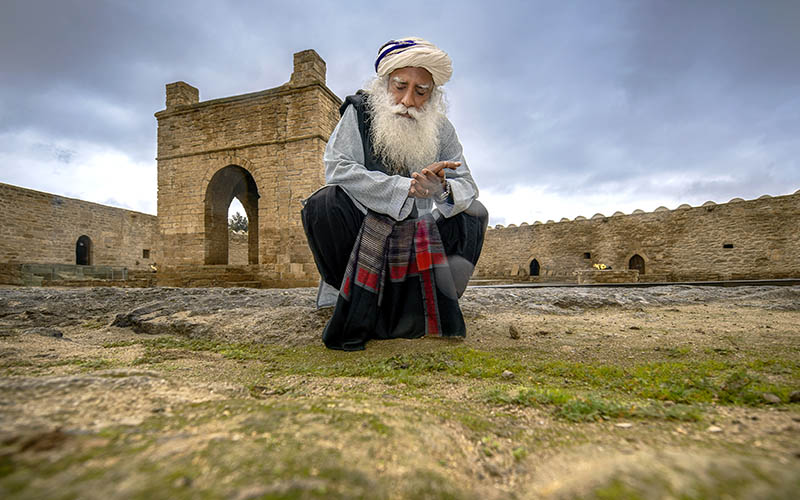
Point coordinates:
pixel 411 87
pixel 406 117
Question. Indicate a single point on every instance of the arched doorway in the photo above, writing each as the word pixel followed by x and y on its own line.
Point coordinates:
pixel 228 183
pixel 636 263
pixel 83 251
pixel 534 269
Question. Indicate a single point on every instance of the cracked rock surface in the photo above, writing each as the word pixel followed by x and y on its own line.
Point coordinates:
pixel 289 316
pixel 568 392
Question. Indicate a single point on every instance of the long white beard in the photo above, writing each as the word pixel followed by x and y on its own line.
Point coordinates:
pixel 404 145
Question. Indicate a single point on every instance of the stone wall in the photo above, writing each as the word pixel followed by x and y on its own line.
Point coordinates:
pixel 755 239
pixel 43 228
pixel 264 149
pixel 237 248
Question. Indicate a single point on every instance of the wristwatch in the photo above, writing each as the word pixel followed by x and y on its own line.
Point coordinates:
pixel 442 198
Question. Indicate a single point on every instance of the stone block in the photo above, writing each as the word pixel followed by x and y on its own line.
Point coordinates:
pixel 181 94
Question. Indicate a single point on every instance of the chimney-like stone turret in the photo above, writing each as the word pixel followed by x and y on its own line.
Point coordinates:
pixel 181 94
pixel 309 68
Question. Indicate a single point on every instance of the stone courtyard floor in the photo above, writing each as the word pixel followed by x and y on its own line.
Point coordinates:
pixel 664 392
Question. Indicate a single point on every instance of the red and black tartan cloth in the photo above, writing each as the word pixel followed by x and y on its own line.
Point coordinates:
pixel 397 285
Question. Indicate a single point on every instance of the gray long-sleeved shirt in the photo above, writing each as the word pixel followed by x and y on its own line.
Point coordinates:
pixel 388 194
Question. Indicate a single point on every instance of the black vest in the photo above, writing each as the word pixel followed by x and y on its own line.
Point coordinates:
pixel 363 115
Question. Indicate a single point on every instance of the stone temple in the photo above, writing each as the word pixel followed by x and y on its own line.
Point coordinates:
pixel 263 149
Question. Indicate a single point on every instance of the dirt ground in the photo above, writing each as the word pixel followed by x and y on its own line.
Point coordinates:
pixel 663 392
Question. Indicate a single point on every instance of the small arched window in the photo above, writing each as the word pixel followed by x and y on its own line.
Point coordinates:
pixel 534 271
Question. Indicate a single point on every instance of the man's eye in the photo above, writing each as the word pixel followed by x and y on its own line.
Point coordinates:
pixel 421 92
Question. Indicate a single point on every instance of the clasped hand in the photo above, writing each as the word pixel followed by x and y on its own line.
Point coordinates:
pixel 430 182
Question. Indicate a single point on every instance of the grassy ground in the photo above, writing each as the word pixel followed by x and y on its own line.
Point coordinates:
pixel 692 402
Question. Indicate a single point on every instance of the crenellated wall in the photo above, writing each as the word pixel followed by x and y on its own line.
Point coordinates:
pixel 754 239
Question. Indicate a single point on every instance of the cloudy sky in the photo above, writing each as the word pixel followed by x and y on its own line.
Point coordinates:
pixel 563 108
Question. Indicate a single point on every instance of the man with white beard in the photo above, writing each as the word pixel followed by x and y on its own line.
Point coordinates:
pixel 397 230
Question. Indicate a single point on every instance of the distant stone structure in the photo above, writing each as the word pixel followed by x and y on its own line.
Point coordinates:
pixel 755 239
pixel 42 228
pixel 238 248
pixel 263 148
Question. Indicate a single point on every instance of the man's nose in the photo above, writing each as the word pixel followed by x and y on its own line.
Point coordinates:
pixel 408 98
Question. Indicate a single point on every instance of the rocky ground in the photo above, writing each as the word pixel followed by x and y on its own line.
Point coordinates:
pixel 665 392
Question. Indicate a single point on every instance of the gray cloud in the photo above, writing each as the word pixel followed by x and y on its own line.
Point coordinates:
pixel 651 100
pixel 63 155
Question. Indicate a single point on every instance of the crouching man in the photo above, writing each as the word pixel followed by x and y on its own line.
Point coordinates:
pixel 397 230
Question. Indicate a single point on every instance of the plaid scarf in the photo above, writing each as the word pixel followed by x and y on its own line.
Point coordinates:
pixel 408 250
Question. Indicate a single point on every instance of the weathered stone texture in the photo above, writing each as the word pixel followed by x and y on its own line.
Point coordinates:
pixel 11 274
pixel 44 228
pixel 181 94
pixel 205 276
pixel 756 239
pixel 274 141
pixel 237 248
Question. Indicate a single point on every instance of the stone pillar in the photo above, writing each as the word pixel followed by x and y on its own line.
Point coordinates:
pixel 308 68
pixel 181 94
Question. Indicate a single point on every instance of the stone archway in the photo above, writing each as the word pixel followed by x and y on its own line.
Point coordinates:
pixel 226 184
pixel 534 268
pixel 636 263
pixel 83 251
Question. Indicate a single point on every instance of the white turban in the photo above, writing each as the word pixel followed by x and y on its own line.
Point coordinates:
pixel 416 52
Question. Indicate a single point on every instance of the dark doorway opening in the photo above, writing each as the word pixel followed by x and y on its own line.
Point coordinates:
pixel 83 251
pixel 636 263
pixel 534 268
pixel 228 183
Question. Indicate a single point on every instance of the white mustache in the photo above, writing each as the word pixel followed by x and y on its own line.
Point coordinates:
pixel 399 109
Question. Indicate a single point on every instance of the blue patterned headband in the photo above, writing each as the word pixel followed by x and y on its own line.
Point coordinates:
pixel 392 46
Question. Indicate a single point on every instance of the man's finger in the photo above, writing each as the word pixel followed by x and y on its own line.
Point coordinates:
pixel 440 165
pixel 431 176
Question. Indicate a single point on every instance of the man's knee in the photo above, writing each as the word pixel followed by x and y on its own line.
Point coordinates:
pixel 477 209
pixel 330 206
pixel 321 199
